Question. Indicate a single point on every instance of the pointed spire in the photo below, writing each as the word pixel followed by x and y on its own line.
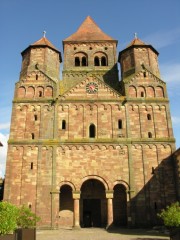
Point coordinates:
pixel 89 31
pixel 136 41
pixel 44 42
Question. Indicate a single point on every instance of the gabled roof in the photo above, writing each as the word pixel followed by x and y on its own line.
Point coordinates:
pixel 143 68
pixel 81 86
pixel 89 31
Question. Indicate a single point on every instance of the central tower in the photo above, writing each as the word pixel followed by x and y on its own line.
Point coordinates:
pixel 90 51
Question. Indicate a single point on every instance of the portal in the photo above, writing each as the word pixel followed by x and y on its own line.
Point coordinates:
pixel 93 204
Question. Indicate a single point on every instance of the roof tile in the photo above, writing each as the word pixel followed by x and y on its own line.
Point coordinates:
pixel 88 31
pixel 44 42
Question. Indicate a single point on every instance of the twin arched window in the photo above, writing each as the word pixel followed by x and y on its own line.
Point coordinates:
pixel 100 60
pixel 80 59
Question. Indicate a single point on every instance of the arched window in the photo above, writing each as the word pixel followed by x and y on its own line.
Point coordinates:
pixel 96 61
pixel 40 93
pixel 84 61
pixel 36 77
pixel 103 61
pixel 81 59
pixel 142 94
pixel 144 73
pixel 149 135
pixel 148 116
pixel 119 124
pixel 63 124
pixel 92 131
pixel 35 117
pixel 32 135
pixel 77 61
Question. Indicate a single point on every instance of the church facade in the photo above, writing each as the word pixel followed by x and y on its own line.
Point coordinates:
pixel 91 150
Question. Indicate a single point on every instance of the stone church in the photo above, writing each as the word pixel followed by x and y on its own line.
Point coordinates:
pixel 94 148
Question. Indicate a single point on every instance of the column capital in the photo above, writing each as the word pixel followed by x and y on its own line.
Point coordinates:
pixel 54 191
pixel 76 194
pixel 109 193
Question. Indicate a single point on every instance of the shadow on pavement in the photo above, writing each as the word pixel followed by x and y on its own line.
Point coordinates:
pixel 139 232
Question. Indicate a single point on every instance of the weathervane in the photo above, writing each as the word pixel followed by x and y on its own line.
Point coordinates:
pixel 135 35
pixel 44 34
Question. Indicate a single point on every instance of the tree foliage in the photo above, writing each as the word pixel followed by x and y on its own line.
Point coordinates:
pixel 26 218
pixel 171 215
pixel 8 217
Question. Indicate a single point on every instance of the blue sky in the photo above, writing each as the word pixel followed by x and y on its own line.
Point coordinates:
pixel 157 22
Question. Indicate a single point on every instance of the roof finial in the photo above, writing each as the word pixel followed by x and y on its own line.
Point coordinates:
pixel 44 34
pixel 135 35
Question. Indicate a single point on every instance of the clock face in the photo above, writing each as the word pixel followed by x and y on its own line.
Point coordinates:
pixel 91 87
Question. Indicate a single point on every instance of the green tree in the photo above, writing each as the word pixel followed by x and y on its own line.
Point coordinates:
pixel 171 215
pixel 8 217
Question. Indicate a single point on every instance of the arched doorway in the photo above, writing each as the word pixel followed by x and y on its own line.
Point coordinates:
pixel 120 205
pixel 93 204
pixel 66 206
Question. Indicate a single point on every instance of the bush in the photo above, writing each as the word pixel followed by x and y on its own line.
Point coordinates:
pixel 26 218
pixel 8 218
pixel 171 215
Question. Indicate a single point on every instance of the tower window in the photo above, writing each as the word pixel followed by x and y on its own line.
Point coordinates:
pixel 36 77
pixel 103 61
pixel 32 135
pixel 145 75
pixel 149 135
pixel 148 116
pixel 40 93
pixel 77 61
pixel 63 124
pixel 92 131
pixel 119 124
pixel 35 117
pixel 31 165
pixel 142 94
pixel 96 61
pixel 84 62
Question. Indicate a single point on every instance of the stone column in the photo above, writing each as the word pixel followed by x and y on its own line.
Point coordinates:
pixel 76 197
pixel 109 196
pixel 54 209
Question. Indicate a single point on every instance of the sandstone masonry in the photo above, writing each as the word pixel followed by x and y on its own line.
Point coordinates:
pixel 90 149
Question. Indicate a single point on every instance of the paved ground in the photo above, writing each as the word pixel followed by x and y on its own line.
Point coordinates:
pixel 100 234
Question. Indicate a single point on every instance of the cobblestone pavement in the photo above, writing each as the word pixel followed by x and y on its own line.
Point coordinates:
pixel 100 234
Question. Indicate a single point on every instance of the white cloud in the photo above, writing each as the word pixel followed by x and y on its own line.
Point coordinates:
pixel 4 126
pixel 3 153
pixel 162 39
